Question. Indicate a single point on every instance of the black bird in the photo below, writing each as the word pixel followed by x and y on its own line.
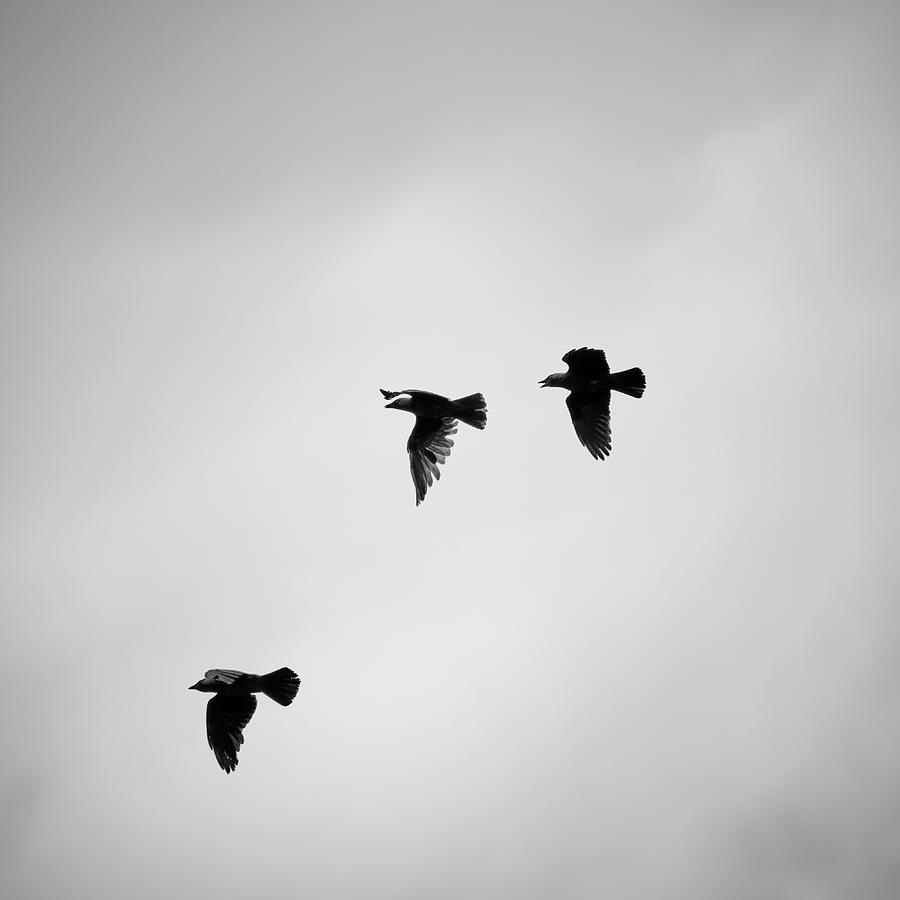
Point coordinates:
pixel 228 713
pixel 429 442
pixel 589 382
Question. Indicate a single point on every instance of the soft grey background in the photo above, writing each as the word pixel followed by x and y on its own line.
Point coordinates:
pixel 669 675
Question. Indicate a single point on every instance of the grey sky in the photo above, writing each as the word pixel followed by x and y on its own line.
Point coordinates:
pixel 667 675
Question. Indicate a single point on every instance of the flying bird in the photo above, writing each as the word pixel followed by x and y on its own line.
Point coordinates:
pixel 430 440
pixel 589 382
pixel 228 713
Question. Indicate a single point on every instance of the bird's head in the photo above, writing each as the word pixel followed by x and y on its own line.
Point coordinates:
pixel 400 403
pixel 553 380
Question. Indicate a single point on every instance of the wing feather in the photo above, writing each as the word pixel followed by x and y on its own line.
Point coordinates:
pixel 224 676
pixel 226 718
pixel 587 362
pixel 590 416
pixel 428 447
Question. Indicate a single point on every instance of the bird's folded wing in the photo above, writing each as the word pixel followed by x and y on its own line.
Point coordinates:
pixel 224 676
pixel 428 447
pixel 590 416
pixel 226 718
pixel 587 362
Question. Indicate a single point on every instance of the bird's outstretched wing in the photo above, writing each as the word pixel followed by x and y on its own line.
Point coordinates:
pixel 587 362
pixel 224 676
pixel 412 392
pixel 590 416
pixel 226 718
pixel 428 447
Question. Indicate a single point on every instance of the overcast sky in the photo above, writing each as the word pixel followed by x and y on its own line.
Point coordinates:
pixel 667 676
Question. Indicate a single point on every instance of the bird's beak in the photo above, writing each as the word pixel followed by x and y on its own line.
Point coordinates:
pixel 543 383
pixel 194 687
pixel 391 405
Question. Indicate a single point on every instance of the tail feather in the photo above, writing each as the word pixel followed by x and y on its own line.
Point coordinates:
pixel 472 410
pixel 281 685
pixel 631 382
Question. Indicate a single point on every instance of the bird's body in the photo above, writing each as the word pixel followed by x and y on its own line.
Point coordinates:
pixel 590 383
pixel 228 713
pixel 430 441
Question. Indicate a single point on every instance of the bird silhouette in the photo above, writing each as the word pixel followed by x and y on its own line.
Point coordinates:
pixel 589 382
pixel 228 713
pixel 430 440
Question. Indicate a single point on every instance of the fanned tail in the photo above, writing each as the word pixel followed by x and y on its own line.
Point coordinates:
pixel 281 685
pixel 472 410
pixel 631 382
